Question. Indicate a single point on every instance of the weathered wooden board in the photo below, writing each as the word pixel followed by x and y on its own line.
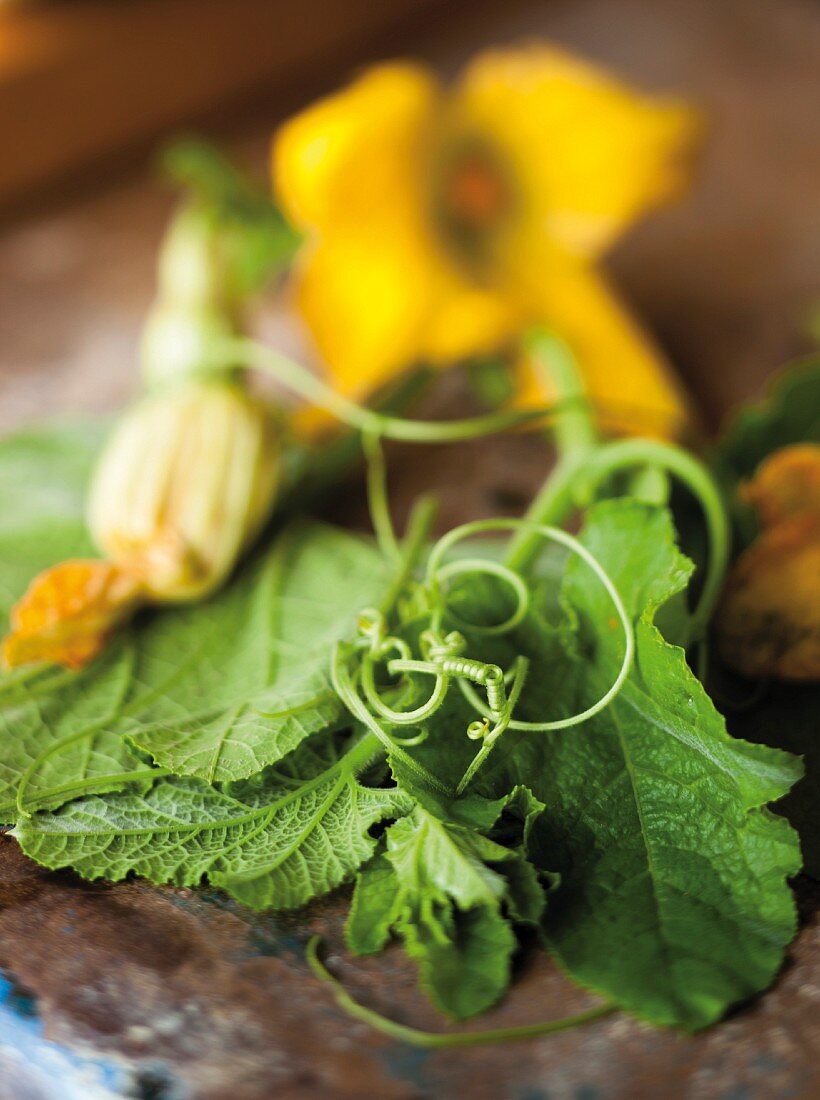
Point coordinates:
pixel 132 991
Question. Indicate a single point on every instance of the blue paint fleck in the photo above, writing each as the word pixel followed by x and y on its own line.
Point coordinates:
pixel 765 1063
pixel 407 1063
pixel 737 1092
pixel 52 1070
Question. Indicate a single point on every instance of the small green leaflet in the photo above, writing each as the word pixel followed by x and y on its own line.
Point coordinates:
pixel 296 831
pixel 790 414
pixel 463 956
pixel 786 716
pixel 447 891
pixel 257 240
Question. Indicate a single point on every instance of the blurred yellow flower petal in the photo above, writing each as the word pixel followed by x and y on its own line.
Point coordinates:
pixel 587 153
pixel 355 154
pixel 375 304
pixel 439 224
pixel 365 299
pixel 625 374
pixel 466 320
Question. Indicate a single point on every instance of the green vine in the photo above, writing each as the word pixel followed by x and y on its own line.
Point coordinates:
pixel 431 1040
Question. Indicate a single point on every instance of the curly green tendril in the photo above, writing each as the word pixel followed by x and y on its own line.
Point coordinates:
pixel 443 656
pixel 554 534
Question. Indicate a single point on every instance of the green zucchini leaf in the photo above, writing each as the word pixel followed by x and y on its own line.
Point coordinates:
pixel 672 897
pixel 293 832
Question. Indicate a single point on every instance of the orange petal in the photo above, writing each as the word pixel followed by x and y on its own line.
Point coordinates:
pixel 769 621
pixel 68 612
pixel 786 484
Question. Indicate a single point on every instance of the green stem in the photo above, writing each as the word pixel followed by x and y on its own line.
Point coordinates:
pixel 574 428
pixel 321 464
pixel 415 539
pixel 576 437
pixel 651 485
pixel 584 462
pixel 223 244
pixel 431 1040
pixel 550 507
pixel 300 381
pixel 652 453
pixel 377 498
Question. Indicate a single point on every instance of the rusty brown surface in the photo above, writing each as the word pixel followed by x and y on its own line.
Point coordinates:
pixel 198 997
pixel 187 995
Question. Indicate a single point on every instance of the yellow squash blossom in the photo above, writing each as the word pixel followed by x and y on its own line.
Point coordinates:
pixel 440 222
pixel 768 623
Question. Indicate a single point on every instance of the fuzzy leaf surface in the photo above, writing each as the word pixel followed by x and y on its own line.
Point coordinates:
pixel 216 690
pixel 789 414
pixel 673 898
pixel 290 834
pixel 224 688
pixel 54 724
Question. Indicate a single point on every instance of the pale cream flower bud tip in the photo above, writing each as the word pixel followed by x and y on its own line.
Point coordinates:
pixel 184 484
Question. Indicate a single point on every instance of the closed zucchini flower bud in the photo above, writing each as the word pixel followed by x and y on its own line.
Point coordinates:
pixel 190 472
pixel 183 486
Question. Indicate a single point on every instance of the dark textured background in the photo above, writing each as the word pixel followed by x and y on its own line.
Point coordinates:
pixel 132 991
